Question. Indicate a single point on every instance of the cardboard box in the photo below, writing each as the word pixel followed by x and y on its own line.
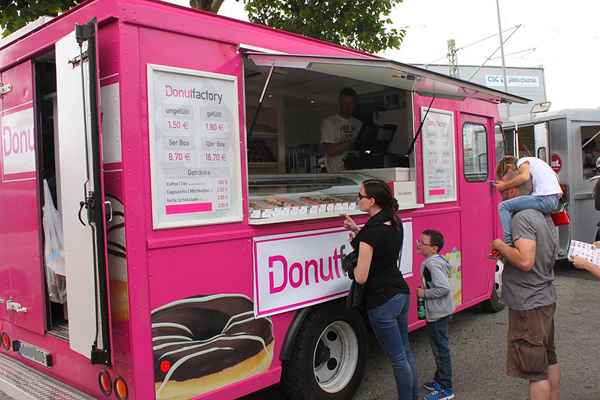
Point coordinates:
pixel 404 192
pixel 387 174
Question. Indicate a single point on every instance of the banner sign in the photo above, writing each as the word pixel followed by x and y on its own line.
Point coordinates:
pixel 18 143
pixel 513 81
pixel 297 270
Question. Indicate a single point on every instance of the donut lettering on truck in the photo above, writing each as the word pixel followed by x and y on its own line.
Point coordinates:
pixel 18 143
pixel 193 93
pixel 296 273
pixel 296 270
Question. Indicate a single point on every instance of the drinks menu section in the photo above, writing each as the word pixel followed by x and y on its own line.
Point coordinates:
pixel 439 154
pixel 195 160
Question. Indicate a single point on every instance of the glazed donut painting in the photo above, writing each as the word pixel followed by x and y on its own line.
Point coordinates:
pixel 203 343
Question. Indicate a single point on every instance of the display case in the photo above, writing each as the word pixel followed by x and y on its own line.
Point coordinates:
pixel 279 198
pixel 290 197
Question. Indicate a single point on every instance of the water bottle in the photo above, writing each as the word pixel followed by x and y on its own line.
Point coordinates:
pixel 421 314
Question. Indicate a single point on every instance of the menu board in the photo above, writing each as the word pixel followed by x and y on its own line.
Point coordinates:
pixel 439 156
pixel 586 250
pixel 194 147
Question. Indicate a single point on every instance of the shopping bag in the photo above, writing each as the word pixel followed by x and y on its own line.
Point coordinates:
pixel 560 218
pixel 56 286
pixel 53 249
pixel 53 234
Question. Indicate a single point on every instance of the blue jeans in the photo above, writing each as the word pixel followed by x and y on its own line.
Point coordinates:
pixel 390 324
pixel 507 208
pixel 438 335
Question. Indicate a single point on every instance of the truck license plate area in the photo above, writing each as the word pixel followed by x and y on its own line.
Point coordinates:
pixel 33 353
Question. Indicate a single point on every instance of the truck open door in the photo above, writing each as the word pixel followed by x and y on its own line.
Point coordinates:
pixel 82 192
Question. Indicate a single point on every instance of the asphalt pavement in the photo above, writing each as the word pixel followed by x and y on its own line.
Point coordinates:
pixel 478 346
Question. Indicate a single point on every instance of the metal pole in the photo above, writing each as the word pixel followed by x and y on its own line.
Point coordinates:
pixel 502 55
pixel 452 60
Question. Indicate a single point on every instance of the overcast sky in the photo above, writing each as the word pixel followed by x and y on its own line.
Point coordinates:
pixel 565 36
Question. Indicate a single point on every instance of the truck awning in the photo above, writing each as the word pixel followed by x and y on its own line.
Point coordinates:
pixel 388 73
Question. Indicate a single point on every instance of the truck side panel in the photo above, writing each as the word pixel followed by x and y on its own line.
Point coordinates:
pixel 20 258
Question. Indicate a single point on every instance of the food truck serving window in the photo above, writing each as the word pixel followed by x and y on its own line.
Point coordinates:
pixel 315 136
pixel 318 126
pixel 194 147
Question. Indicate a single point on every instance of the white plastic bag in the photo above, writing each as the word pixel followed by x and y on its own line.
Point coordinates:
pixel 57 287
pixel 53 249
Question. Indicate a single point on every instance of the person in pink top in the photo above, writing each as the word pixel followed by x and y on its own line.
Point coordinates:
pixel 544 197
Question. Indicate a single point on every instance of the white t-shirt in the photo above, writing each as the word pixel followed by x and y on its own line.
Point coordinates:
pixel 544 179
pixel 337 129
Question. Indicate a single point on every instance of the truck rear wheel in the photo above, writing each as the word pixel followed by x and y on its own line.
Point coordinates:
pixel 493 305
pixel 329 355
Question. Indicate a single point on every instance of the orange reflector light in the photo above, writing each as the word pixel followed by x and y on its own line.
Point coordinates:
pixel 105 383
pixel 165 366
pixel 6 342
pixel 121 388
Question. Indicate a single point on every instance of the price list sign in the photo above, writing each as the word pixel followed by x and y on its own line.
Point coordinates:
pixel 195 147
pixel 439 156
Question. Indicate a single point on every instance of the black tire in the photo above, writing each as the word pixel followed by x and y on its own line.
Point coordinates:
pixel 493 305
pixel 299 381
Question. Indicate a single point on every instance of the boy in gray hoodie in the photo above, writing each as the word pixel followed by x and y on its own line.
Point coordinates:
pixel 435 271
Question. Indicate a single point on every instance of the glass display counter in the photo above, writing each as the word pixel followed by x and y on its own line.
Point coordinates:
pixel 279 198
pixel 291 197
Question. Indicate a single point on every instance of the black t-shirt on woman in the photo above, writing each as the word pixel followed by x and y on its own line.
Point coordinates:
pixel 385 279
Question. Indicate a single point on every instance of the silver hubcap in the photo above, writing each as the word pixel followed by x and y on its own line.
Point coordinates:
pixel 335 356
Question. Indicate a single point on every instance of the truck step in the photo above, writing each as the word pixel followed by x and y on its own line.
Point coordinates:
pixel 20 382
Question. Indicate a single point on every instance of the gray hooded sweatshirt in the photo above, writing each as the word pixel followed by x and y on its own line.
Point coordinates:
pixel 435 271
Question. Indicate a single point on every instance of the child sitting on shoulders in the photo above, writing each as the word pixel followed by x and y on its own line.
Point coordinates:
pixel 545 194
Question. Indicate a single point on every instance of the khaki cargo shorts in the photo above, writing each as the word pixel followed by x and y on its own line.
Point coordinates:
pixel 531 347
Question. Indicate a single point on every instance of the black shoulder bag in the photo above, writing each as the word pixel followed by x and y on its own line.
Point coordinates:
pixel 356 295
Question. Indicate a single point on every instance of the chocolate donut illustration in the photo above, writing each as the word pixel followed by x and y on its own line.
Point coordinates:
pixel 117 261
pixel 206 342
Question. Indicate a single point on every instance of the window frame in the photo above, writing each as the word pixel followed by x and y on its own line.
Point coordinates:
pixel 583 154
pixel 498 132
pixel 468 178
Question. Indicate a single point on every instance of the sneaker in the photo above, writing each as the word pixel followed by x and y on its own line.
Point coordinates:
pixel 433 386
pixel 444 394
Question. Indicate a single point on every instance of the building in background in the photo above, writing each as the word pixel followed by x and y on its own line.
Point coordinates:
pixel 528 82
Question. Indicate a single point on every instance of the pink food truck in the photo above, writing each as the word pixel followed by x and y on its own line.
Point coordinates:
pixel 168 227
